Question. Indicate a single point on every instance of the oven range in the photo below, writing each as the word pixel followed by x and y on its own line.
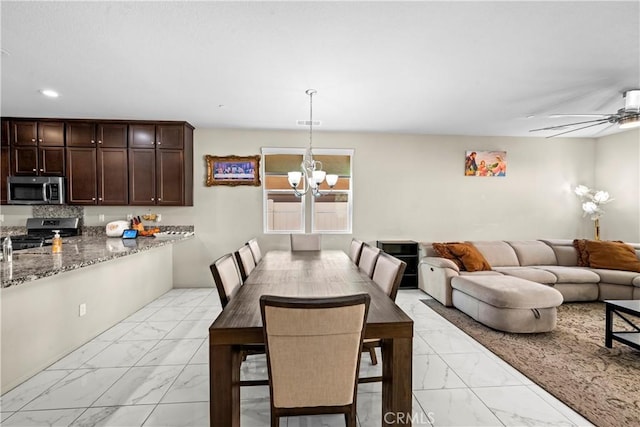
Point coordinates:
pixel 40 231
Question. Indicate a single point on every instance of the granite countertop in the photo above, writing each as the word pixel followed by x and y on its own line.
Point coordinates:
pixel 77 252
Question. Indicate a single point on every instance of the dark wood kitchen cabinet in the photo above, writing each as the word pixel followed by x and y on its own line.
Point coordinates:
pixel 97 163
pixel 37 148
pixel 161 164
pixel 5 162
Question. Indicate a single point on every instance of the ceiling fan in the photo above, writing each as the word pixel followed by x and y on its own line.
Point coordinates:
pixel 626 117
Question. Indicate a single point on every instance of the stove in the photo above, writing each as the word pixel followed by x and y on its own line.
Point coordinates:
pixel 40 232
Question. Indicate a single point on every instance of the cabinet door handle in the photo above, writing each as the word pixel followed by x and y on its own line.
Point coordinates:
pixel 99 141
pixel 153 199
pixel 93 142
pixel 33 140
pixel 41 170
pixel 159 142
pixel 93 198
pixel 35 170
pixel 100 198
pixel 159 199
pixel 40 140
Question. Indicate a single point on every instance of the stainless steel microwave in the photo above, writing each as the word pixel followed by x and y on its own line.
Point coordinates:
pixel 35 190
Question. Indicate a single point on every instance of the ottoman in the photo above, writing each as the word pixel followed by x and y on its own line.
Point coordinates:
pixel 507 303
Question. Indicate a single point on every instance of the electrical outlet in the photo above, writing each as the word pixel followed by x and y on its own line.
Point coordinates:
pixel 129 217
pixel 82 309
pixel 158 218
pixel 1 217
pixel 101 217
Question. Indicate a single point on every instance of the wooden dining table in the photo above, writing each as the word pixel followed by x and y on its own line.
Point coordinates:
pixel 307 274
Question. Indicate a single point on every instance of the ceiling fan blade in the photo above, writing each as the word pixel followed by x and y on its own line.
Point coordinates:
pixel 604 129
pixel 602 120
pixel 558 116
pixel 580 128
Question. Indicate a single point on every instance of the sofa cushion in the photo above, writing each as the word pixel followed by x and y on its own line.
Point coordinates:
pixel 636 282
pixel 616 277
pixel 497 253
pixel 571 274
pixel 565 253
pixel 534 274
pixel 442 250
pixel 612 255
pixel 533 252
pixel 506 291
pixel 471 258
pixel 481 273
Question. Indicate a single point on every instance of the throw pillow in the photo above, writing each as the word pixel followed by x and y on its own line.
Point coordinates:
pixel 442 249
pixel 583 254
pixel 612 255
pixel 470 256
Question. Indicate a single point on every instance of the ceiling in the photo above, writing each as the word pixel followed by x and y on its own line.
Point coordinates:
pixel 447 68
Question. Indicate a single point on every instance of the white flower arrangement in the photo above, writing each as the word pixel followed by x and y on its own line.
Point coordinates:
pixel 591 201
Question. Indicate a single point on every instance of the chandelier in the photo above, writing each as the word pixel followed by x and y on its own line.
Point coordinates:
pixel 309 168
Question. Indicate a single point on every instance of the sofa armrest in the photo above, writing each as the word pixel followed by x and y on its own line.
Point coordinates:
pixel 434 277
pixel 440 263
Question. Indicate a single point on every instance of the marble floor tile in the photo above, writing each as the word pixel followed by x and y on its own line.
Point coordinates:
pixel 369 409
pixel 113 416
pixel 170 313
pixel 449 341
pixel 170 352
pixel 120 354
pixel 150 331
pixel 204 313
pixel 202 354
pixel 478 370
pixel 257 413
pixel 190 329
pixel 78 357
pixel 24 393
pixel 254 368
pixel 420 346
pixel 116 332
pixel 140 386
pixel 574 417
pixel 254 393
pixel 78 390
pixel 189 299
pixel 53 417
pixel 141 315
pixel 192 385
pixel 455 407
pixel 327 420
pixel 180 415
pixel 431 372
pixel 212 300
pixel 520 406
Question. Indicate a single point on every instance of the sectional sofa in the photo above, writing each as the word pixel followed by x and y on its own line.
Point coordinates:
pixel 508 296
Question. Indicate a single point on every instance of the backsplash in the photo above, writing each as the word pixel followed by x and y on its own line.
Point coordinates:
pixel 59 211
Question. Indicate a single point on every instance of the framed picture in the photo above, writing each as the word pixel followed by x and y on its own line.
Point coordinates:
pixel 485 163
pixel 233 170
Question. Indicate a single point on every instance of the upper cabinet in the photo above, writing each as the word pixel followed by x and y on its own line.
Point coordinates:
pixel 161 164
pixel 105 162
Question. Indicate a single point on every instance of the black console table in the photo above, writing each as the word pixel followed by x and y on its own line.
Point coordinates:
pixel 630 338
pixel 407 251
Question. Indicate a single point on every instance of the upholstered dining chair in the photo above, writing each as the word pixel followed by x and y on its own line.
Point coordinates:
pixel 387 275
pixel 306 242
pixel 368 258
pixel 313 354
pixel 245 261
pixel 227 279
pixel 255 250
pixel 355 249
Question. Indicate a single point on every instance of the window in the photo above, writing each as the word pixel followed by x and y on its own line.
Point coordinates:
pixel 284 212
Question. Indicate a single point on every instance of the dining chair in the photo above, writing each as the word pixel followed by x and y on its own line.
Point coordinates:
pixel 255 250
pixel 226 276
pixel 355 249
pixel 306 242
pixel 313 354
pixel 387 275
pixel 245 261
pixel 368 258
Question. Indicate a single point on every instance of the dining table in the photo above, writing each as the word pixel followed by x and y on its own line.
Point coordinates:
pixel 310 274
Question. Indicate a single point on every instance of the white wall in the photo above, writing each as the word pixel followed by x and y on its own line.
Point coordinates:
pixel 409 187
pixel 617 168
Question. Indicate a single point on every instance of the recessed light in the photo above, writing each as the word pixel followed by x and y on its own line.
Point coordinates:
pixel 49 92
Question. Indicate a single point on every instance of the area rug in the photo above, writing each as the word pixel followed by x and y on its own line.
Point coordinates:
pixel 571 362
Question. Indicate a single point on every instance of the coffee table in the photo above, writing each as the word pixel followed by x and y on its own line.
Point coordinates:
pixel 618 307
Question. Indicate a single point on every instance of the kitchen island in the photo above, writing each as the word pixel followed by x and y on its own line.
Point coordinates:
pixel 54 303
